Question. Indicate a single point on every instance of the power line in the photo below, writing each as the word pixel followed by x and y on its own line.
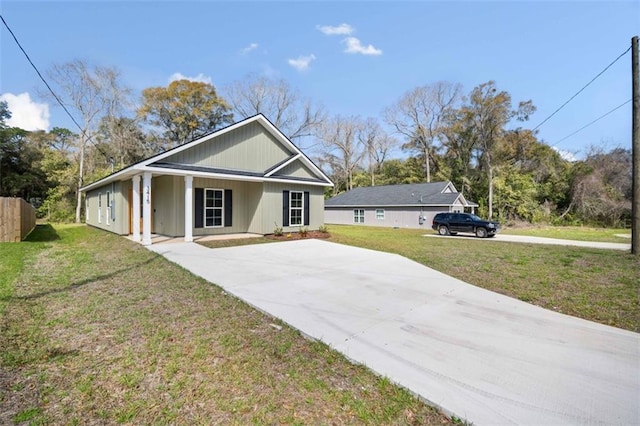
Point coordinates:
pixel 579 91
pixel 87 138
pixel 592 122
pixel 40 75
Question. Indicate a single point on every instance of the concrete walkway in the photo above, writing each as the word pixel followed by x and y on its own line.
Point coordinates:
pixel 481 356
pixel 542 240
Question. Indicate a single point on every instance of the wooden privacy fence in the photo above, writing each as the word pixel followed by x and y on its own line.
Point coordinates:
pixel 17 219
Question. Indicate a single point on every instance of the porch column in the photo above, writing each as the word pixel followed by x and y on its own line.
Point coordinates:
pixel 135 199
pixel 146 209
pixel 188 209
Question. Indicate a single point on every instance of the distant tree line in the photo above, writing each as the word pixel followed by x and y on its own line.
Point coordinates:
pixel 477 140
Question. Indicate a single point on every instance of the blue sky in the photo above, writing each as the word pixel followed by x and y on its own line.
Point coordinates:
pixel 544 51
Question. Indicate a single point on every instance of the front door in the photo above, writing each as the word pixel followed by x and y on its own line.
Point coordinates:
pixel 131 212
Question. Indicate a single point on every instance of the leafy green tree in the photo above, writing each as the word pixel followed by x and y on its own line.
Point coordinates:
pixel 488 112
pixel 183 111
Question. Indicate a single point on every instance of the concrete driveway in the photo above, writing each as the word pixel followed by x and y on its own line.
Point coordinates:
pixel 481 356
pixel 541 240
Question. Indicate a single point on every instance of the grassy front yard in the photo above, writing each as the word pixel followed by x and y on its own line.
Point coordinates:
pixel 95 329
pixel 579 233
pixel 598 285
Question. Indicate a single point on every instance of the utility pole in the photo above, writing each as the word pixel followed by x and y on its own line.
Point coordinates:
pixel 635 151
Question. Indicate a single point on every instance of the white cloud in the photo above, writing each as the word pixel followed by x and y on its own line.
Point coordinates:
pixel 249 48
pixel 302 62
pixel 342 29
pixel 25 113
pixel 566 155
pixel 199 78
pixel 355 46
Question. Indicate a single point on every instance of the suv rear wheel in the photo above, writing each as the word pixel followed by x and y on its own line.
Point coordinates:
pixel 481 232
pixel 443 230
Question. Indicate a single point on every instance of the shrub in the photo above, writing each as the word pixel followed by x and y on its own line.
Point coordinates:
pixel 303 231
pixel 277 230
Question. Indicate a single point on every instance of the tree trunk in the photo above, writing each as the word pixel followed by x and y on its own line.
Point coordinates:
pixel 426 164
pixel 490 177
pixel 80 179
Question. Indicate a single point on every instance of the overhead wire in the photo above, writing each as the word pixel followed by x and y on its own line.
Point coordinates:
pixel 585 86
pixel 64 107
pixel 592 122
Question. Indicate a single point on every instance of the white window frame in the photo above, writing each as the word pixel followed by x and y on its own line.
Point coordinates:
pixel 358 215
pixel 300 208
pixel 213 208
pixel 99 207
pixel 108 209
pixel 380 214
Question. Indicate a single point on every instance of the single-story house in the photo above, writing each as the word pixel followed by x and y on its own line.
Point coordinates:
pixel 245 178
pixel 399 206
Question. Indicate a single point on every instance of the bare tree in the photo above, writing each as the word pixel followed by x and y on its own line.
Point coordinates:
pixel 295 116
pixel 419 116
pixel 342 150
pixel 377 144
pixel 89 93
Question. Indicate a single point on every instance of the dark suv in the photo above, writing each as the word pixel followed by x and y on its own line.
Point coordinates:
pixel 452 223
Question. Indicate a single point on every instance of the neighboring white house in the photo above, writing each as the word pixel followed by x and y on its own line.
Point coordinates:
pixel 400 206
pixel 245 178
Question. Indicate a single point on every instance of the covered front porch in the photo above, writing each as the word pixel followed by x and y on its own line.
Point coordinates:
pixel 185 206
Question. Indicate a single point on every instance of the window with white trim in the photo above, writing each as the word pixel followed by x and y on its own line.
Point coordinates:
pixel 107 210
pixel 358 216
pixel 296 208
pixel 380 214
pixel 213 208
pixel 99 207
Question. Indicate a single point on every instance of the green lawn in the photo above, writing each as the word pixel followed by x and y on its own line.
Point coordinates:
pixel 98 330
pixel 607 235
pixel 598 285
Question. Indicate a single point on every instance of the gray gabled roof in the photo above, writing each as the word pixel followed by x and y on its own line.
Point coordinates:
pixel 413 194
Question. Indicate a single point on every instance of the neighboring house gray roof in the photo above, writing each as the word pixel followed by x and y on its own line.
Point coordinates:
pixel 413 194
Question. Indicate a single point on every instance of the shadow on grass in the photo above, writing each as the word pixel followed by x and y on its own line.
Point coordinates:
pixel 84 282
pixel 42 233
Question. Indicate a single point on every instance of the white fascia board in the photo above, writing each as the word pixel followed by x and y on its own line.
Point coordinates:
pixel 286 142
pixel 450 186
pixel 283 165
pixel 298 182
pixel 120 175
pixel 224 176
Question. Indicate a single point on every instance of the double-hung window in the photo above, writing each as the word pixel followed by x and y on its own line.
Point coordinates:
pixel 380 214
pixel 99 207
pixel 108 209
pixel 358 216
pixel 296 207
pixel 213 208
